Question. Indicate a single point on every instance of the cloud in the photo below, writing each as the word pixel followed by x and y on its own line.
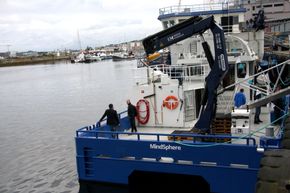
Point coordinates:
pixel 51 25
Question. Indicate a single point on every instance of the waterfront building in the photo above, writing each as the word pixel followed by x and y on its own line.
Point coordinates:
pixel 276 11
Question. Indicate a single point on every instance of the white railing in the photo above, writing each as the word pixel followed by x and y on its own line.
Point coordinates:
pixel 201 7
pixel 186 73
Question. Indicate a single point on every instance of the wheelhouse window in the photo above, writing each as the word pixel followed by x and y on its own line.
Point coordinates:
pixel 230 77
pixel 171 23
pixel 241 70
pixel 279 5
pixel 227 22
pixel 165 24
pixel 267 5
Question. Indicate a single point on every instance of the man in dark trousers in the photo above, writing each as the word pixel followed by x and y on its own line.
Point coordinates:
pixel 257 119
pixel 112 118
pixel 132 113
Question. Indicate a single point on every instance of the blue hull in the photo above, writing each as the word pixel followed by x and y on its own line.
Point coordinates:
pixel 226 168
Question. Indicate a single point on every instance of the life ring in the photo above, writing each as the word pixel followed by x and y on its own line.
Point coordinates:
pixel 171 102
pixel 140 112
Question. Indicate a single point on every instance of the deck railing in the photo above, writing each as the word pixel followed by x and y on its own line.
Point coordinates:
pixel 179 72
pixel 201 7
pixel 103 132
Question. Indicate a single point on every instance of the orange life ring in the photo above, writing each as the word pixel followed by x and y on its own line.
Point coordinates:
pixel 171 102
pixel 143 119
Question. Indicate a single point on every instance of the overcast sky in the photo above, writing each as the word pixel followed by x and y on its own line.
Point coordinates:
pixel 54 24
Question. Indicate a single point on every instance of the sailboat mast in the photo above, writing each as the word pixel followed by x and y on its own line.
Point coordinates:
pixel 79 40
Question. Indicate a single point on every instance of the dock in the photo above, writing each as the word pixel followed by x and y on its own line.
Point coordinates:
pixel 19 61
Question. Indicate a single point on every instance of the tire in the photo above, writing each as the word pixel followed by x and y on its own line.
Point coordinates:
pixel 274 173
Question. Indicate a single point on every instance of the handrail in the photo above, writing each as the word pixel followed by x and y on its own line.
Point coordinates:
pixel 181 72
pixel 252 76
pixel 195 137
pixel 200 7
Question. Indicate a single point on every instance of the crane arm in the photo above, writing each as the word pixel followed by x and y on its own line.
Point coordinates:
pixel 219 64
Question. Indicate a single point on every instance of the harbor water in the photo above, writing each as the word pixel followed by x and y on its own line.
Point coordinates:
pixel 41 107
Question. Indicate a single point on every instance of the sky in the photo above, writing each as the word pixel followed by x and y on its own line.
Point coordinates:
pixel 46 25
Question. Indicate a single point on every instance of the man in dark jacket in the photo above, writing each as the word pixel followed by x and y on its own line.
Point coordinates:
pixel 132 113
pixel 112 118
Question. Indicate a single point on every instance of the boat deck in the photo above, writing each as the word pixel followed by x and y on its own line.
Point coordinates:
pixel 167 134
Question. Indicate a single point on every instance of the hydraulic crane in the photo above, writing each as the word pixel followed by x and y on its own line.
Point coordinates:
pixel 218 64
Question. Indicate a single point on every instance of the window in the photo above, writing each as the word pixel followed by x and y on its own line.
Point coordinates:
pixel 230 77
pixel 267 5
pixel 242 70
pixel 172 23
pixel 253 8
pixel 226 23
pixel 235 20
pixel 165 24
pixel 278 5
pixel 181 20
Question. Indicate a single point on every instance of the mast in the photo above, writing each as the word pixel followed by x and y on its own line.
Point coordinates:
pixel 79 40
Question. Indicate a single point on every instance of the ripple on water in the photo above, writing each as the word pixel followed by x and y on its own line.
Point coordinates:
pixel 23 181
pixel 4 190
pixel 38 180
pixel 71 184
pixel 39 185
pixel 56 183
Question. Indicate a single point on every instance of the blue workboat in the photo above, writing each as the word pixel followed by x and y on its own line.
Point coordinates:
pixel 190 136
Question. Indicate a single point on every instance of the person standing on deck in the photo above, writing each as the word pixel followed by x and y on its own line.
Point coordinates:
pixel 240 98
pixel 132 113
pixel 257 120
pixel 112 118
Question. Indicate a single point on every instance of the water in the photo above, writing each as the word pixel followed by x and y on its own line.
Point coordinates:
pixel 41 107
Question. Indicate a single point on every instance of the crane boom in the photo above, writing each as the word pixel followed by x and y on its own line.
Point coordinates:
pixel 219 64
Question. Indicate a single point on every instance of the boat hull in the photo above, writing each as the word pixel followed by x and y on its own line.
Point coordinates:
pixel 118 58
pixel 92 187
pixel 224 167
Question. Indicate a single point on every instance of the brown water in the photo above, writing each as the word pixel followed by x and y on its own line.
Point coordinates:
pixel 41 106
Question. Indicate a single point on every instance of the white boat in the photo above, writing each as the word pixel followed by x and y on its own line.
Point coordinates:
pixel 85 58
pixel 119 56
pixel 91 58
pixel 79 58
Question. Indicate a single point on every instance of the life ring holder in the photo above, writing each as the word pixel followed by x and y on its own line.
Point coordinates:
pixel 171 102
pixel 143 119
